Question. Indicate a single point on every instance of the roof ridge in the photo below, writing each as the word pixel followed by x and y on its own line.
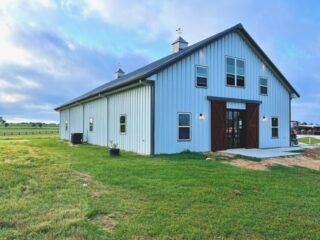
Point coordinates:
pixel 155 66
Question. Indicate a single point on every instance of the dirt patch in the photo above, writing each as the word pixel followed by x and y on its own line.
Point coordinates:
pixel 249 164
pixel 73 145
pixel 109 223
pixel 218 156
pixel 84 177
pixel 310 158
pixel 95 188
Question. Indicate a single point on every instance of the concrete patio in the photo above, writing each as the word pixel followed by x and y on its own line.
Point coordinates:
pixel 266 153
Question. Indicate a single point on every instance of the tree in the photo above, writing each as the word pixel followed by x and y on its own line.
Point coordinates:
pixel 33 125
pixel 40 125
pixel 6 125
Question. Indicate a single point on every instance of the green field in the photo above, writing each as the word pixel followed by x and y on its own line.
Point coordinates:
pixel 306 140
pixel 52 190
pixel 16 128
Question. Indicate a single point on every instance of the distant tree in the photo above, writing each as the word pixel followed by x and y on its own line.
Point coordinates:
pixel 33 125
pixel 40 125
pixel 3 121
pixel 6 125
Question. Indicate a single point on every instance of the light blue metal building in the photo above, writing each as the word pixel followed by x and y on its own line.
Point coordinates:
pixel 222 92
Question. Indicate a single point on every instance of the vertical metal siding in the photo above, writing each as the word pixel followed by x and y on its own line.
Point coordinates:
pixel 98 110
pixel 136 105
pixel 64 116
pixel 76 119
pixel 176 92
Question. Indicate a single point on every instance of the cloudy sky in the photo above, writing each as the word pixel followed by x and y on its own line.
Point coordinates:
pixel 54 50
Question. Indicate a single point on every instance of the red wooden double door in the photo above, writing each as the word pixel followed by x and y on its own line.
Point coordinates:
pixel 232 128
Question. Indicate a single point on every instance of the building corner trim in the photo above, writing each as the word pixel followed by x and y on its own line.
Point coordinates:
pixel 152 119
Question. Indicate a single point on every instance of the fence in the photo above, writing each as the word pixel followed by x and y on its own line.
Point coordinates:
pixel 28 133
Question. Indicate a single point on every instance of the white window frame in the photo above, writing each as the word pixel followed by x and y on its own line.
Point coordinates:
pixel 123 124
pixel 262 85
pixel 277 127
pixel 235 72
pixel 190 126
pixel 196 76
pixel 91 124
pixel 66 125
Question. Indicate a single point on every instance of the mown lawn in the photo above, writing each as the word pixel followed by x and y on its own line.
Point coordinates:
pixel 18 127
pixel 51 190
pixel 306 140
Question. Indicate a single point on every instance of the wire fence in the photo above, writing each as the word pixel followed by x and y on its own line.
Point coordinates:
pixel 28 133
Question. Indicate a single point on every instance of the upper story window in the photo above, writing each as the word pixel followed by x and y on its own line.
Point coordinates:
pixel 91 124
pixel 274 127
pixel 66 125
pixel 123 124
pixel 263 86
pixel 201 76
pixel 184 126
pixel 235 72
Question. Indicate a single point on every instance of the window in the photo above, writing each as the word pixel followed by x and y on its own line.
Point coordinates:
pixel 275 127
pixel 91 124
pixel 66 125
pixel 123 124
pixel 235 72
pixel 184 126
pixel 201 76
pixel 263 86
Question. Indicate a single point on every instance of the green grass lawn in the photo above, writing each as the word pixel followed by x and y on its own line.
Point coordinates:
pixel 306 140
pixel 51 190
pixel 27 128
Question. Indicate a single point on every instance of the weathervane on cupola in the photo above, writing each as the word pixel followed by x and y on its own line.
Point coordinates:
pixel 180 43
pixel 119 73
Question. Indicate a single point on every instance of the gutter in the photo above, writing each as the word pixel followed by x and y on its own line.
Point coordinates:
pixel 104 94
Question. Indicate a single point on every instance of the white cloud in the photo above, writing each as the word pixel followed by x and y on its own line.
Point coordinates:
pixel 11 53
pixel 198 19
pixel 27 82
pixel 19 83
pixel 6 5
pixel 11 97
pixel 41 107
pixel 15 119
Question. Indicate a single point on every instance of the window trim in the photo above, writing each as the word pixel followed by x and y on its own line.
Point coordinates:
pixel 190 127
pixel 274 127
pixel 261 85
pixel 235 73
pixel 92 125
pixel 125 123
pixel 66 125
pixel 195 75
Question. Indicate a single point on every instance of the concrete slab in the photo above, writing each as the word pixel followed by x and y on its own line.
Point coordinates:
pixel 264 153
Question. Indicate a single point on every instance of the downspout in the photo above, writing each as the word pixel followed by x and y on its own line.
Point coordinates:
pixel 290 119
pixel 60 131
pixel 84 138
pixel 69 124
pixel 152 118
pixel 108 121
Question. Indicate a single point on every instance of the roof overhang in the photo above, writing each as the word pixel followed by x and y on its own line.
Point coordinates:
pixel 104 94
pixel 236 100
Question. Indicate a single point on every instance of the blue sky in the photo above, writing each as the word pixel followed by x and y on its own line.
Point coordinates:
pixel 52 51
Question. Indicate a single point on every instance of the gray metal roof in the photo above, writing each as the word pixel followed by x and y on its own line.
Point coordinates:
pixel 154 67
pixel 180 39
pixel 119 71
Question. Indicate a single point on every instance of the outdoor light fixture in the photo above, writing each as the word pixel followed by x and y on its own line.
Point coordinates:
pixel 201 116
pixel 264 119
